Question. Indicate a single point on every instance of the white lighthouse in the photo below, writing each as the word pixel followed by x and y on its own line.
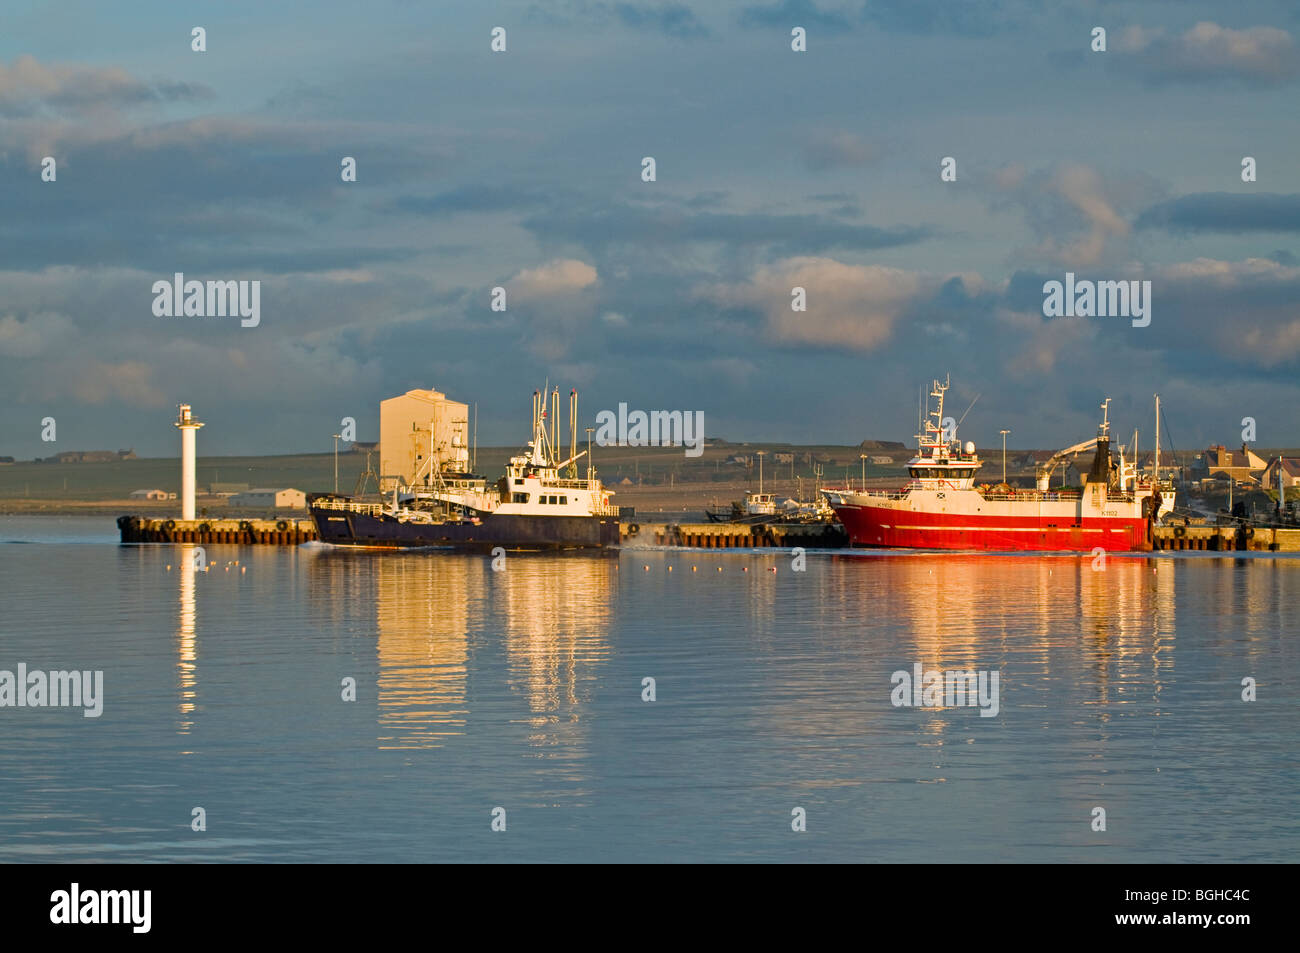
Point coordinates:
pixel 187 424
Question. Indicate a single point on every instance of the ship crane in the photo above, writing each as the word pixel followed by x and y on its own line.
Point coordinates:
pixel 1043 473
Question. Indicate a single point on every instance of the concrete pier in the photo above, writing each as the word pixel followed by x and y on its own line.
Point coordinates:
pixel 737 535
pixel 206 532
pixel 1226 539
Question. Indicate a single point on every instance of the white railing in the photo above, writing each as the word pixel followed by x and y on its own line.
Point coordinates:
pixel 370 509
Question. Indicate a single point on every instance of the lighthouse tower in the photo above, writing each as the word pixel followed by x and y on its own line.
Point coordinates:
pixel 188 425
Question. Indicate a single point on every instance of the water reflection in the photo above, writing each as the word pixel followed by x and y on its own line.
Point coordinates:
pixel 556 620
pixel 187 645
pixel 443 620
pixel 423 606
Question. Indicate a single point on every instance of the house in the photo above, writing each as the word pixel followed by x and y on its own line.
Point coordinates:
pixel 742 459
pixel 1244 466
pixel 6 461
pixel 363 446
pixel 148 494
pixel 266 499
pixel 783 457
pixel 91 456
pixel 882 445
pixel 880 460
pixel 1289 467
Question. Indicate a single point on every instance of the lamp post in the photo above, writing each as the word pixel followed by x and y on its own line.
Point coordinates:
pixel 863 456
pixel 1004 454
pixel 336 464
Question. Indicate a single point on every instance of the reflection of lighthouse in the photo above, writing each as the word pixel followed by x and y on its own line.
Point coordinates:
pixel 187 424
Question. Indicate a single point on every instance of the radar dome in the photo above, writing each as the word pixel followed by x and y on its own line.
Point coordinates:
pixel 970 446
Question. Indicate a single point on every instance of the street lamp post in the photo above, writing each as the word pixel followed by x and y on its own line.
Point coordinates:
pixel 864 470
pixel 336 463
pixel 1004 454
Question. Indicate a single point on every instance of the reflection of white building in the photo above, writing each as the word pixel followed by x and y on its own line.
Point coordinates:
pixel 423 617
pixel 268 499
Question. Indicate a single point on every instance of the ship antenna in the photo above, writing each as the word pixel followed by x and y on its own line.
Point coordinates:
pixel 968 409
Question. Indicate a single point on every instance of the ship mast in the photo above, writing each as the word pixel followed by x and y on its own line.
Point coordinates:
pixel 1157 480
pixel 931 437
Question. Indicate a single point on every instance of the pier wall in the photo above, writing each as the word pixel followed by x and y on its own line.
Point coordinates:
pixel 1226 539
pixel 206 532
pixel 293 532
pixel 736 535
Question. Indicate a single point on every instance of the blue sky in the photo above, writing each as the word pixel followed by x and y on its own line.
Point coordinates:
pixel 522 169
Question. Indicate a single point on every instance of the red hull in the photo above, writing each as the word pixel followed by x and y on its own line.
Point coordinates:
pixel 872 526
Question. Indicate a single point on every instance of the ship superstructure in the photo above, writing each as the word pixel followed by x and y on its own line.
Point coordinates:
pixel 942 506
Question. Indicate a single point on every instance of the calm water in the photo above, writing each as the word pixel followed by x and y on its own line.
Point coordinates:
pixel 522 689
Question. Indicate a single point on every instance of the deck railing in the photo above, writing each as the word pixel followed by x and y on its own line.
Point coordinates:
pixel 370 509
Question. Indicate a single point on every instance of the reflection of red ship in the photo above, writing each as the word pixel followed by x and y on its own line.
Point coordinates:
pixel 942 508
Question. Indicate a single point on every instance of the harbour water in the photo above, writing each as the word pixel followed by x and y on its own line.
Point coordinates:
pixel 1120 688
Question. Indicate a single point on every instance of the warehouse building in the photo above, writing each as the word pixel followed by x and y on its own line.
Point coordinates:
pixel 270 499
pixel 415 426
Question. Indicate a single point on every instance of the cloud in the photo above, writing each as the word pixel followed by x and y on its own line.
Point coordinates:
pixel 658 16
pixel 31 88
pixel 854 306
pixel 1225 212
pixel 1069 209
pixel 671 19
pixel 791 13
pixel 966 17
pixel 610 223
pixel 563 276
pixel 37 334
pixel 551 304
pixel 1248 310
pixel 838 150
pixel 101 382
pixel 1260 55
pixel 470 199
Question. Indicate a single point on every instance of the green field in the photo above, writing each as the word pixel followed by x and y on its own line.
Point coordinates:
pixel 114 481
pixel 85 483
pixel 91 482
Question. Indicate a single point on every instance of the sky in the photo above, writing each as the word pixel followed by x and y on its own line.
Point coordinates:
pixel 523 170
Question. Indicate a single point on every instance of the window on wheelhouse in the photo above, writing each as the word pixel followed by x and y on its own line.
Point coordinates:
pixel 941 473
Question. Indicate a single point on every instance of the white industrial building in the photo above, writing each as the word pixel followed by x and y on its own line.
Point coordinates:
pixel 416 425
pixel 270 499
